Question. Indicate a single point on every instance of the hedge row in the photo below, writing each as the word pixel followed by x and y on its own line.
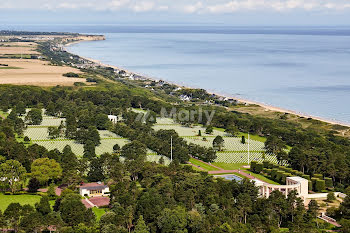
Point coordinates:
pixel 279 174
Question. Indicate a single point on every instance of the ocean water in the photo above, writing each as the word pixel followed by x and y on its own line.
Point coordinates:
pixel 306 70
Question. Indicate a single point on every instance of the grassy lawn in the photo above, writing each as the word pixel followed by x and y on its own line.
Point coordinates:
pixel 203 165
pixel 261 177
pixel 236 166
pixel 230 166
pixel 5 200
pixel 98 212
pixel 252 137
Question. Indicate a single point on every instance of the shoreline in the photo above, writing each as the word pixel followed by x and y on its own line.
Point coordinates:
pixel 266 107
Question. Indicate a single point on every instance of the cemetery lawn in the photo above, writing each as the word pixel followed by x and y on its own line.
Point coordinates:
pixel 203 165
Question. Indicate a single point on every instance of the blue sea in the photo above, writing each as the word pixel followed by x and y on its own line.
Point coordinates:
pixel 305 69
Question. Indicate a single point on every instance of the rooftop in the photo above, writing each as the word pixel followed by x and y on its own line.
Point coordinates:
pixel 93 185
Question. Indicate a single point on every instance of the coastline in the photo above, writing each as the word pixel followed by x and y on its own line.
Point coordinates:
pixel 266 107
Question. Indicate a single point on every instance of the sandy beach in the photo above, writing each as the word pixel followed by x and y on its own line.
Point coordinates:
pixel 244 101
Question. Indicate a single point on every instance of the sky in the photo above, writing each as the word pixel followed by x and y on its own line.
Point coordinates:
pixel 228 12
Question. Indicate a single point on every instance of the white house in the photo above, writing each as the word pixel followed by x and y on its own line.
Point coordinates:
pixel 113 118
pixel 94 189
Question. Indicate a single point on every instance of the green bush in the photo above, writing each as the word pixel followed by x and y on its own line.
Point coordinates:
pixel 310 185
pixel 258 168
pixel 295 172
pixel 329 182
pixel 288 169
pixel 319 176
pixel 267 164
pixel 268 171
pixel 299 173
pixel 281 168
pixel 313 180
pixel 279 176
pixel 253 165
pixel 274 173
pixel 285 175
pixel 306 177
pixel 320 185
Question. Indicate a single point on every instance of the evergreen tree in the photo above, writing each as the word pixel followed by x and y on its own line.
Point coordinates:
pixel 43 207
pixel 141 226
pixel 96 170
pixel 243 139
pixel 89 150
pixel 33 185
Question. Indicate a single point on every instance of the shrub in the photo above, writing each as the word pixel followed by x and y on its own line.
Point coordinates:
pixel 253 165
pixel 268 171
pixel 285 175
pixel 329 182
pixel 267 164
pixel 298 173
pixel 331 197
pixel 258 168
pixel 319 176
pixel 332 212
pixel 274 173
pixel 288 169
pixel 91 80
pixel 33 185
pixel 310 185
pixel 320 185
pixel 71 75
pixel 26 139
pixel 313 179
pixel 306 177
pixel 279 175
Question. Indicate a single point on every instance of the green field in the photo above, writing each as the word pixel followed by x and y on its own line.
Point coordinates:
pixel 203 165
pixel 98 212
pixel 5 200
